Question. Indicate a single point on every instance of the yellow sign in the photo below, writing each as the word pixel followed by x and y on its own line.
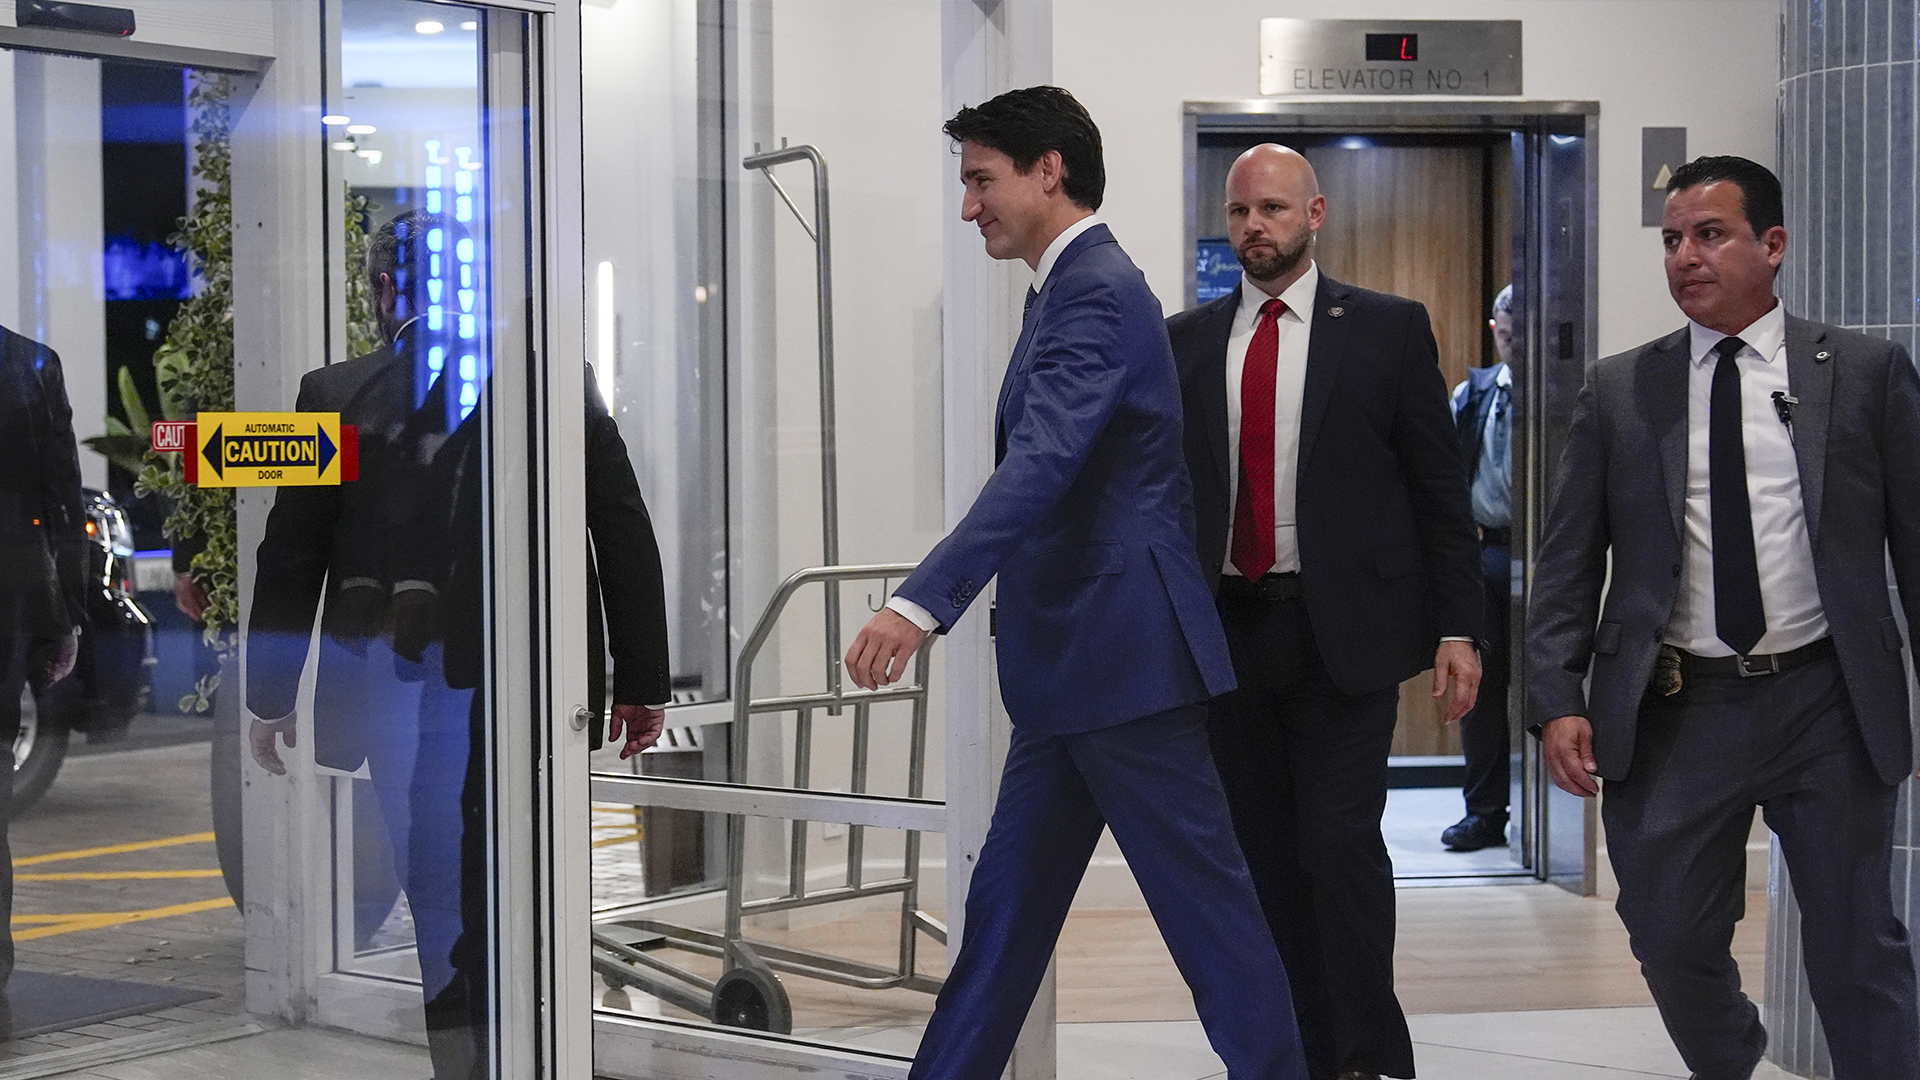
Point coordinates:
pixel 268 449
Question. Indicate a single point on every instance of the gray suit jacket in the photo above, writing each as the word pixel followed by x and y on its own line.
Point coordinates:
pixel 1622 487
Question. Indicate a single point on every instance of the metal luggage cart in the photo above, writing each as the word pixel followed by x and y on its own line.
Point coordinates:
pixel 749 992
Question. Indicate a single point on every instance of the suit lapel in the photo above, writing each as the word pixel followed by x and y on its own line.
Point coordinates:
pixel 1325 346
pixel 1810 379
pixel 1017 367
pixel 1664 390
pixel 1212 386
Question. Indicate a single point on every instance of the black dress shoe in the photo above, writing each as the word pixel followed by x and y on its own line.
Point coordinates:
pixel 1473 832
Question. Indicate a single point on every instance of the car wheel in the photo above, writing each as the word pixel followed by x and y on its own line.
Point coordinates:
pixel 38 750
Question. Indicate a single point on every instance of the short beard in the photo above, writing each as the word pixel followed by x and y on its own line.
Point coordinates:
pixel 1283 262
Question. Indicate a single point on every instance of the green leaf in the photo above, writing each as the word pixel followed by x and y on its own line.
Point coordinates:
pixel 137 418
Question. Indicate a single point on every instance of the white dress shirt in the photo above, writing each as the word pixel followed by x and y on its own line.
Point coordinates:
pixel 1780 541
pixel 913 612
pixel 1289 382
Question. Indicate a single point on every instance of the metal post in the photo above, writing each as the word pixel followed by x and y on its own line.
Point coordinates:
pixel 818 231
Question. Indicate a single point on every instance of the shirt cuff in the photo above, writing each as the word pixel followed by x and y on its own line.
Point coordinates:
pixel 913 613
pixel 1456 639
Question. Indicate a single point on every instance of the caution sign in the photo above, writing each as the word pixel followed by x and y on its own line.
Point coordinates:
pixel 262 449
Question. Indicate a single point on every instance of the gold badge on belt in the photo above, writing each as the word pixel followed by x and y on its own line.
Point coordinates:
pixel 1666 679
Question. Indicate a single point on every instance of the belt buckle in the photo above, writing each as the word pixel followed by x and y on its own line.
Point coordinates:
pixel 1748 670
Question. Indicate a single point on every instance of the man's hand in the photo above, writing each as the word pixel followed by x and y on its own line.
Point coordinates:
pixel 189 597
pixel 1568 745
pixel 260 741
pixel 416 623
pixel 642 725
pixel 879 655
pixel 1456 670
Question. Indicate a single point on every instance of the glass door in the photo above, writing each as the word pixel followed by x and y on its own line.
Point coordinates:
pixel 414 656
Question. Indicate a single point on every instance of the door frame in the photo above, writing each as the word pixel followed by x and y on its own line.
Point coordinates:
pixel 1558 838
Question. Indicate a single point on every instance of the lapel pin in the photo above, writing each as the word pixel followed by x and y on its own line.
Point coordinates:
pixel 1336 311
pixel 1822 356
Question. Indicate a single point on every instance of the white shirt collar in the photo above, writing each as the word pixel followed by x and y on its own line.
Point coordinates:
pixel 1059 245
pixel 1298 296
pixel 1765 335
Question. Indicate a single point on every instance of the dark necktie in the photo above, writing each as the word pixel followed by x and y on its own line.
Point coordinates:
pixel 1253 506
pixel 1028 308
pixel 1738 614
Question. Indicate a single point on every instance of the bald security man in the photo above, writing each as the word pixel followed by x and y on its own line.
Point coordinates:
pixel 1334 525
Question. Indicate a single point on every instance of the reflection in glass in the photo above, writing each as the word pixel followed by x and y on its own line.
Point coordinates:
pixel 390 563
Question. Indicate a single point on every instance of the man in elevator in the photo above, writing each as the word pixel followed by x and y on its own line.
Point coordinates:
pixel 43 565
pixel 1735 492
pixel 1483 415
pixel 1334 529
pixel 1108 646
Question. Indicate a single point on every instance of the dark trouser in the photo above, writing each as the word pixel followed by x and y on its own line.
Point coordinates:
pixel 1305 770
pixel 1484 731
pixel 13 680
pixel 1676 832
pixel 1151 782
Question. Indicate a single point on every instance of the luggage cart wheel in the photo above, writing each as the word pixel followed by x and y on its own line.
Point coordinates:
pixel 752 998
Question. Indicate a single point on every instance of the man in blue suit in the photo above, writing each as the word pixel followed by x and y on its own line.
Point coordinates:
pixel 1109 645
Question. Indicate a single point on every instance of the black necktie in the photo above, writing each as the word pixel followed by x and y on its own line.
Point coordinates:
pixel 1028 309
pixel 1738 613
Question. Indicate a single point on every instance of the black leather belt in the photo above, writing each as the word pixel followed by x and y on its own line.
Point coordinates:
pixel 1725 667
pixel 1496 537
pixel 1273 588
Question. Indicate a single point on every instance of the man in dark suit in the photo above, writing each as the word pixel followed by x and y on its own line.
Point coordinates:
pixel 1333 520
pixel 1483 414
pixel 395 673
pixel 1107 642
pixel 1746 480
pixel 42 564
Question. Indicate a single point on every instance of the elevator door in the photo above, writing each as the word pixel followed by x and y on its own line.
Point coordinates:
pixel 1447 203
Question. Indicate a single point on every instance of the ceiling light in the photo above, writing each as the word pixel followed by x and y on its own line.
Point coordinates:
pixel 428 26
pixel 345 144
pixel 335 120
pixel 470 25
pixel 361 129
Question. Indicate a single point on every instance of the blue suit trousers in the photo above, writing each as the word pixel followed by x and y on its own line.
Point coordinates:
pixel 1152 781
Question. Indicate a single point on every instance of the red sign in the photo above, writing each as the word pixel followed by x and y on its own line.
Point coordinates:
pixel 172 436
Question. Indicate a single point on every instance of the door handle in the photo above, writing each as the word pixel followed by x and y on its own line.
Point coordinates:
pixel 582 716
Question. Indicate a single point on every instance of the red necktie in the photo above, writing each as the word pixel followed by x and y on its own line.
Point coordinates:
pixel 1253 506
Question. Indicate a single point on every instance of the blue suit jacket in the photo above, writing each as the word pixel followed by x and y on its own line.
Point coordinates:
pixel 1104 614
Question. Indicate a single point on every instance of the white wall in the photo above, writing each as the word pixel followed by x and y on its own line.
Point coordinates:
pixel 1134 62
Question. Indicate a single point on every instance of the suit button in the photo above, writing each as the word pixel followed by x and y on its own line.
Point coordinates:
pixel 1676 569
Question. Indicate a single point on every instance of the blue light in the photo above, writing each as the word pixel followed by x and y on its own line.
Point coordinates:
pixel 433 265
pixel 463 208
pixel 466 299
pixel 469 368
pixel 434 286
pixel 434 319
pixel 469 394
pixel 463 182
pixel 466 327
pixel 466 277
pixel 435 241
pixel 433 175
pixel 464 249
pixel 436 358
pixel 433 200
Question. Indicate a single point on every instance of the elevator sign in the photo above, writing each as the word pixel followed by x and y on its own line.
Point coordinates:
pixel 1389 58
pixel 259 449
